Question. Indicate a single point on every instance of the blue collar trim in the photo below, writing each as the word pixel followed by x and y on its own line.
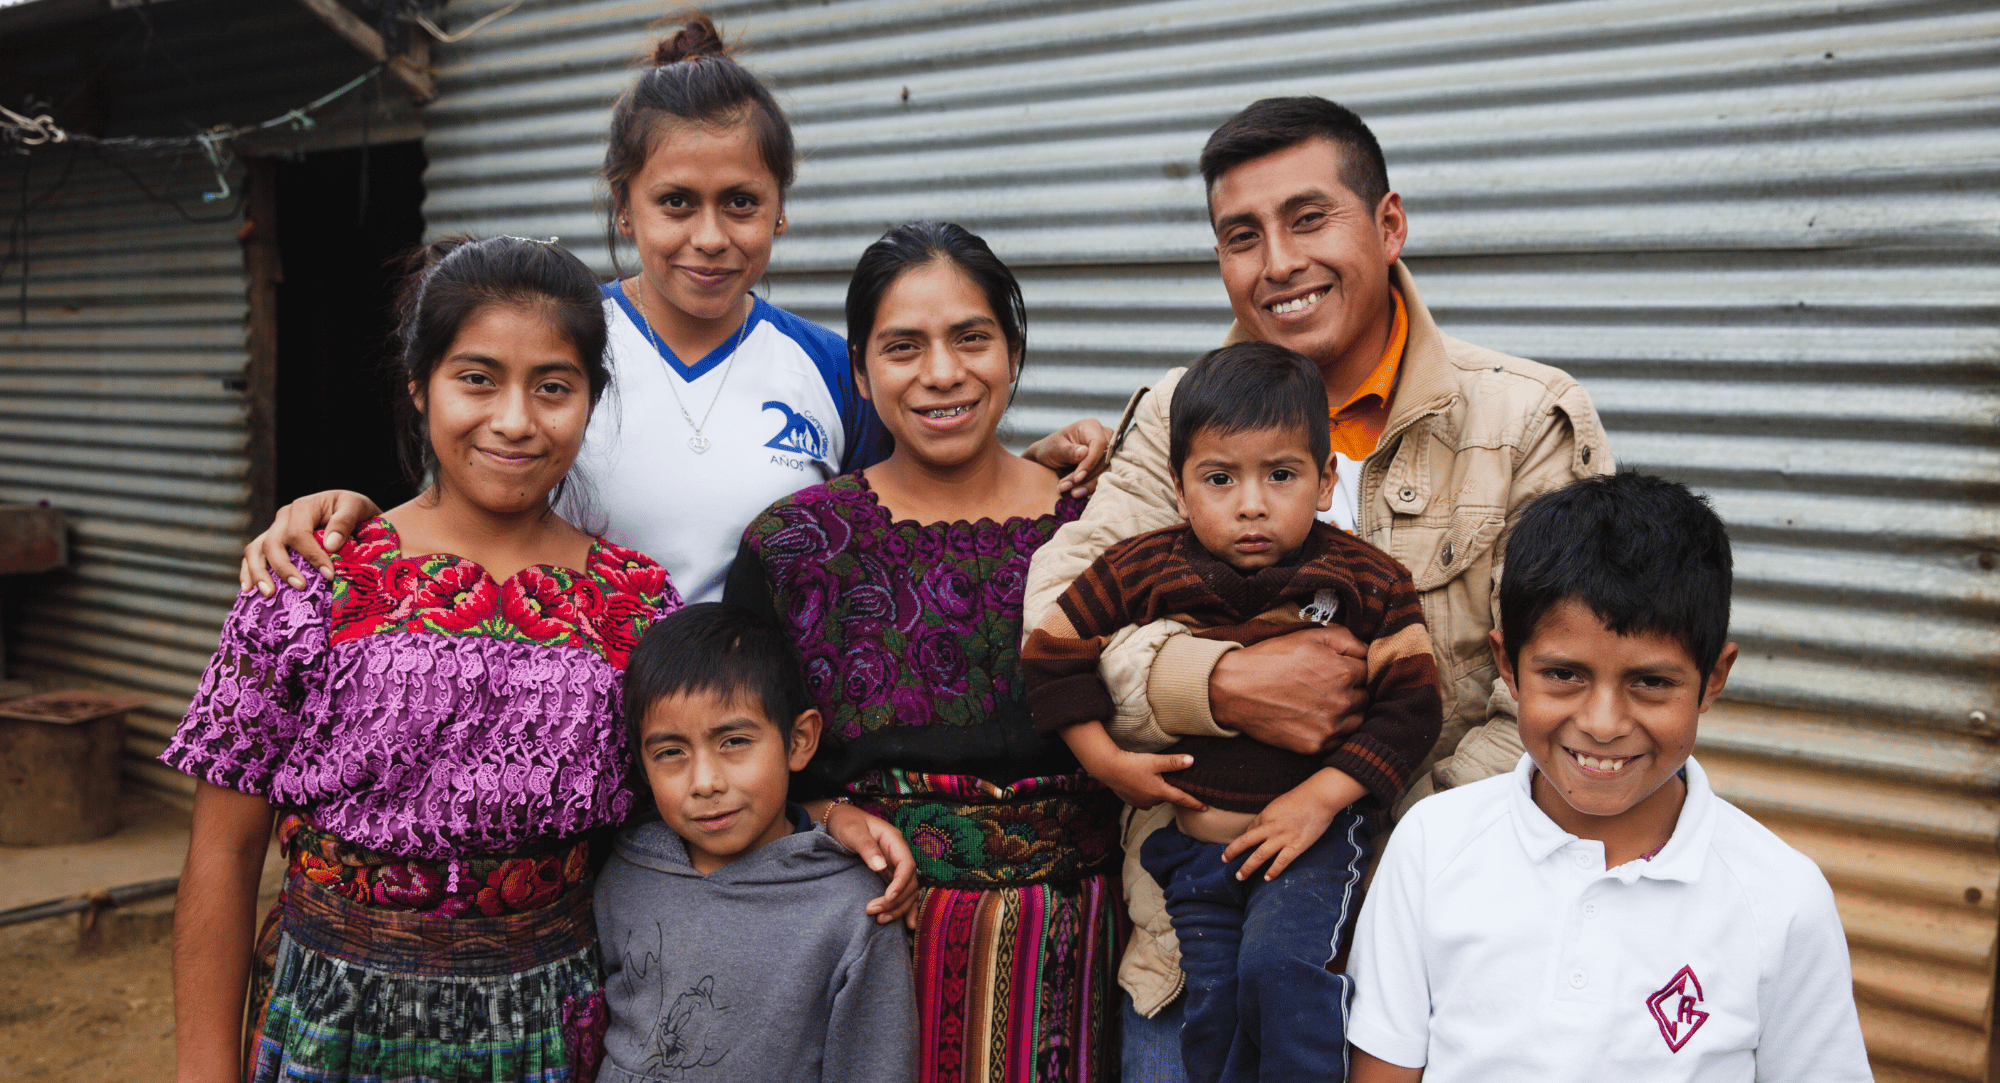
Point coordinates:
pixel 689 373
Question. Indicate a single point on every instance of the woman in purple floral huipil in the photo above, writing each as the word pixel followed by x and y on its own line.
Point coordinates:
pixel 901 586
pixel 435 728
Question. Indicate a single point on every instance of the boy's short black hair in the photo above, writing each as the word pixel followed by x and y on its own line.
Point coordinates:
pixel 1275 124
pixel 1643 553
pixel 717 648
pixel 1246 386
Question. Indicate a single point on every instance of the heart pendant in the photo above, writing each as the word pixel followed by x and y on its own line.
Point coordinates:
pixel 698 442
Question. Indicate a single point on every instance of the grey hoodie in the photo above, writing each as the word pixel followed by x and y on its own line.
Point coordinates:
pixel 767 970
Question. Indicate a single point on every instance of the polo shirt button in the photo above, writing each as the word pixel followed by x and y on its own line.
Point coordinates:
pixel 1581 858
pixel 1577 980
pixel 1590 909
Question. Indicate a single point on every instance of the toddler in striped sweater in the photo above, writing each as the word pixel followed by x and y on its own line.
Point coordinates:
pixel 1249 449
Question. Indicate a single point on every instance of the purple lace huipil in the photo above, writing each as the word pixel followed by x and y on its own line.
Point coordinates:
pixel 416 707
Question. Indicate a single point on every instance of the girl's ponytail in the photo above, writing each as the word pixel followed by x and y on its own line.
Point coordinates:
pixel 696 39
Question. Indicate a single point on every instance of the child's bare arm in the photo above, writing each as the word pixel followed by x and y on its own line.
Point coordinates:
pixel 215 922
pixel 881 847
pixel 1133 776
pixel 1289 825
pixel 1369 1069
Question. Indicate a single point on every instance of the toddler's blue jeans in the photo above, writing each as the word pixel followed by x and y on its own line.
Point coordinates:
pixel 1261 1004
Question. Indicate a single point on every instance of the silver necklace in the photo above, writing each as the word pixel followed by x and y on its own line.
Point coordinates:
pixel 698 442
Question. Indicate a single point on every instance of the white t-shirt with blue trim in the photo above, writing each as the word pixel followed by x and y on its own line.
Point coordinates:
pixel 785 416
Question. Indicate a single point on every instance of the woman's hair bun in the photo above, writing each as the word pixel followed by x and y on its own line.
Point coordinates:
pixel 696 38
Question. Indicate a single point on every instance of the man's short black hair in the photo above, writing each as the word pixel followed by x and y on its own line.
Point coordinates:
pixel 1248 386
pixel 1641 552
pixel 1275 124
pixel 725 650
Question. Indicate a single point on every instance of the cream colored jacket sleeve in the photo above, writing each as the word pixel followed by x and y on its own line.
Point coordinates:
pixel 1158 676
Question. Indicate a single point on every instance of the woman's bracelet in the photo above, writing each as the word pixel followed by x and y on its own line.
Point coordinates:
pixel 830 806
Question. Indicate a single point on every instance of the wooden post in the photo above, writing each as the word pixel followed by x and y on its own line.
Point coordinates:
pixel 264 269
pixel 412 72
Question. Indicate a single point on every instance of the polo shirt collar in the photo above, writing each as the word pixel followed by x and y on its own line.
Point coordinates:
pixel 1381 382
pixel 1682 858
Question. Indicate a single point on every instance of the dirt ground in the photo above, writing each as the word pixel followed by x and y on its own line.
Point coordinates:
pixel 67 1016
pixel 77 1009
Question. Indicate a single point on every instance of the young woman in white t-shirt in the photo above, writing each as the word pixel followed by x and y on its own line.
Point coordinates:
pixel 721 402
pixel 686 449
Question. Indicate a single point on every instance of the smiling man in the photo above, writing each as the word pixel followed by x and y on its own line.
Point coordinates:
pixel 1436 442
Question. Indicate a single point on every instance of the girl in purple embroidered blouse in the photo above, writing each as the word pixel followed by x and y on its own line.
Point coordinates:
pixel 435 728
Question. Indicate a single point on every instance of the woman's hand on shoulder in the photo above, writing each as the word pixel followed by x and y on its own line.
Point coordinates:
pixel 1078 448
pixel 338 510
pixel 882 848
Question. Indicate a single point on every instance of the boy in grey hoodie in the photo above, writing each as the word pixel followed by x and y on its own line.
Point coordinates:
pixel 736 944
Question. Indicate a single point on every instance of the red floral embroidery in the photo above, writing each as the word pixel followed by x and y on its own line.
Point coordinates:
pixel 633 575
pixel 458 596
pixel 606 608
pixel 367 546
pixel 488 884
pixel 544 607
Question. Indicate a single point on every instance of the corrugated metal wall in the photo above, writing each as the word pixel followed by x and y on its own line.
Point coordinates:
pixel 122 386
pixel 121 402
pixel 1762 233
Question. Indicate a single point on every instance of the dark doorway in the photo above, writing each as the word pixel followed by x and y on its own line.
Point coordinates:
pixel 343 217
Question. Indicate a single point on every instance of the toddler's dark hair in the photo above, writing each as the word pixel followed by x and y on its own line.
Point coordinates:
pixel 1275 124
pixel 449 280
pixel 1248 386
pixel 721 649
pixel 692 80
pixel 1644 554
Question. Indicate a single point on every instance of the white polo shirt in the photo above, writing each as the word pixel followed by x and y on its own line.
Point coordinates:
pixel 1494 946
pixel 781 416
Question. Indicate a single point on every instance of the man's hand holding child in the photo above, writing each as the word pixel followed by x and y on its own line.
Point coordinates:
pixel 1289 825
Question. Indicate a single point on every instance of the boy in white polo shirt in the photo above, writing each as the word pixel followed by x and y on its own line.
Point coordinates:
pixel 1599 914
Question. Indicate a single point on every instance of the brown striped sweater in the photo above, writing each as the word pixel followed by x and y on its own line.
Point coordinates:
pixel 1334 578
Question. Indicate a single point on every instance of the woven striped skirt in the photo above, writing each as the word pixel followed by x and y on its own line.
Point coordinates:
pixel 1020 924
pixel 348 990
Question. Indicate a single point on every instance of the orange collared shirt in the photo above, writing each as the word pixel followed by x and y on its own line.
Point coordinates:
pixel 1357 424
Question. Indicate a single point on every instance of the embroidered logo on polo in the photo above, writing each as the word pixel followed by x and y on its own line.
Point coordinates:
pixel 1674 1008
pixel 802 433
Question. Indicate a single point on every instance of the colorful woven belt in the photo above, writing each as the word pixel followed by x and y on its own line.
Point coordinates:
pixel 970 833
pixel 477 885
pixel 401 942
